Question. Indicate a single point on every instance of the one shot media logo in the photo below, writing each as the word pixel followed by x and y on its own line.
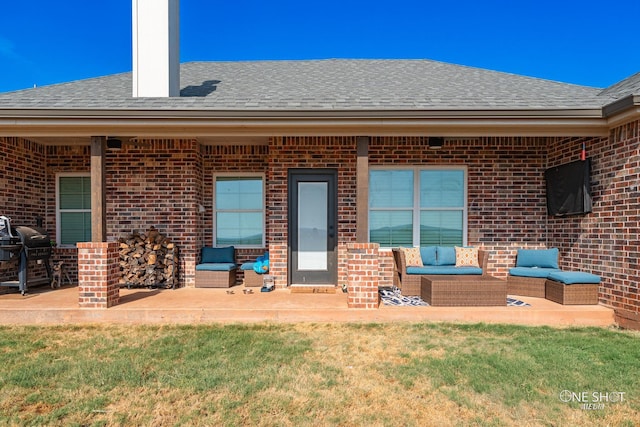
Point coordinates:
pixel 591 400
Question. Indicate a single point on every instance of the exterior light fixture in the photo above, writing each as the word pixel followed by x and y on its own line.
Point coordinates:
pixel 114 143
pixel 436 142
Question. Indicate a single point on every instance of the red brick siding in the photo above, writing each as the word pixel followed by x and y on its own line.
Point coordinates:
pixel 158 183
pixel 605 242
pixel 21 177
pixel 310 152
pixel 506 194
pixel 386 267
pixel 363 278
pixel 22 195
pixel 63 159
pixel 98 271
pixel 230 159
pixel 164 182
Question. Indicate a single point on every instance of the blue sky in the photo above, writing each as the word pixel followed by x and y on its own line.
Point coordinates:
pixel 582 42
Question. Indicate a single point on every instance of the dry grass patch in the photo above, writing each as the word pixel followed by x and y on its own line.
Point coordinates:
pixel 314 374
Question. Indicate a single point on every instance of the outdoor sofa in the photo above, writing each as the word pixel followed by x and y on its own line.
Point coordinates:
pixel 414 263
pixel 217 268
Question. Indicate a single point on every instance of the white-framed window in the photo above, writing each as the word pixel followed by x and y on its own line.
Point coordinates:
pixel 73 208
pixel 418 206
pixel 238 210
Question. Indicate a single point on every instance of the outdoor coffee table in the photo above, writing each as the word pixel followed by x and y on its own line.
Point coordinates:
pixel 452 290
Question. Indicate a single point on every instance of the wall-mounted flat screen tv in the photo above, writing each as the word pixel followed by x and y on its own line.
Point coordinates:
pixel 569 188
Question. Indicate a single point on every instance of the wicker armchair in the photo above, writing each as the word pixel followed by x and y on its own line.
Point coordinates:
pixel 217 268
pixel 534 266
pixel 410 283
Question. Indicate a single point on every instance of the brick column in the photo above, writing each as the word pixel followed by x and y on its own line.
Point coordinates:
pixel 278 264
pixel 98 270
pixel 363 275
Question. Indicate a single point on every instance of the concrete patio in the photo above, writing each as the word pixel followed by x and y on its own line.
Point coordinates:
pixel 43 306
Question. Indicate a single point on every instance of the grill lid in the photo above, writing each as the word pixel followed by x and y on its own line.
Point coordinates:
pixel 33 237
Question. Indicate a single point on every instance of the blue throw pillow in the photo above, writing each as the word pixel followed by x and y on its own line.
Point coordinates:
pixel 218 255
pixel 261 266
pixel 543 258
pixel 446 255
pixel 428 255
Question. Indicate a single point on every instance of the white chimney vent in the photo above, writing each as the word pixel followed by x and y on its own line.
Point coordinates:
pixel 156 48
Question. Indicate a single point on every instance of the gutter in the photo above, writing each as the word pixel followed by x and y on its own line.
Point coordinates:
pixel 622 110
pixel 181 123
pixel 319 113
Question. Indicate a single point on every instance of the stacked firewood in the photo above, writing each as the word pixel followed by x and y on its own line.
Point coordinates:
pixel 149 260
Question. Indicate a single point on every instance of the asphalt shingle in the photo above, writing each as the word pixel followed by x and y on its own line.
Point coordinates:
pixel 325 85
pixel 628 86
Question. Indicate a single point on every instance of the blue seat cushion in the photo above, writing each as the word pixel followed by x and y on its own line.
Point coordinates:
pixel 260 266
pixel 533 272
pixel 444 269
pixel 246 266
pixel 574 277
pixel 218 255
pixel 446 255
pixel 543 258
pixel 217 266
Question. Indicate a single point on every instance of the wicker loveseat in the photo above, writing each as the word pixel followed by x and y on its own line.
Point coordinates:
pixel 217 268
pixel 436 260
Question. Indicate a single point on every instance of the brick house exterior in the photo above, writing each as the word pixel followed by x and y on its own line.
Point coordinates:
pixel 164 178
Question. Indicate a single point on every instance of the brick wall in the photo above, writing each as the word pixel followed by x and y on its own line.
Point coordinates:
pixel 22 166
pixel 230 159
pixel 163 182
pixel 98 271
pixel 63 159
pixel 22 193
pixel 158 183
pixel 606 242
pixel 506 193
pixel 310 152
pixel 363 279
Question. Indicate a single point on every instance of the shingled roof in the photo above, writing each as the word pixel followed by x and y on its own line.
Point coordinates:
pixel 628 86
pixel 326 85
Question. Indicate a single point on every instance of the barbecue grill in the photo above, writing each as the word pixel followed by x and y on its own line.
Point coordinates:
pixel 20 245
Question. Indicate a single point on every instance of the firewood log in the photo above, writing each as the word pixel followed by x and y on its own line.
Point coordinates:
pixel 148 259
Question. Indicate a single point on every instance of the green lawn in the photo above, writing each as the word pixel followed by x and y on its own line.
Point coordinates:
pixel 319 374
